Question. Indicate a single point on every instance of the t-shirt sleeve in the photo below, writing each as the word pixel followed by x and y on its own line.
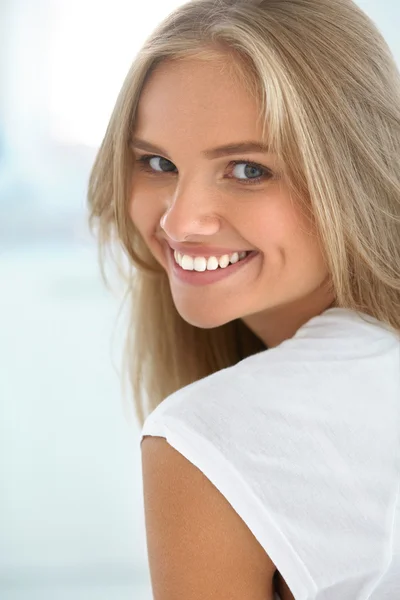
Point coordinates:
pixel 313 475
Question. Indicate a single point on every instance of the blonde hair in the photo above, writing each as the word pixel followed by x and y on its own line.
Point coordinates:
pixel 329 96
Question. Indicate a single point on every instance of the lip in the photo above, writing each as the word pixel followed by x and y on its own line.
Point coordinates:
pixel 198 278
pixel 205 251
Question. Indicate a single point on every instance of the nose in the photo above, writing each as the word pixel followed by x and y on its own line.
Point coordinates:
pixel 190 214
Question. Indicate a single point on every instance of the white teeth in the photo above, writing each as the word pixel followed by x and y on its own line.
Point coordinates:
pixel 200 263
pixel 187 263
pixel 212 263
pixel 224 261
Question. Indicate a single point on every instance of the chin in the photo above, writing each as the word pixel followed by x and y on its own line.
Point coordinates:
pixel 203 320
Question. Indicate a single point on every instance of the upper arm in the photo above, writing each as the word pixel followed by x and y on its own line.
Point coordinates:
pixel 198 546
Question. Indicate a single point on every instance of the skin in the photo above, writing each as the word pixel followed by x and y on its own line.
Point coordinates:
pixel 186 108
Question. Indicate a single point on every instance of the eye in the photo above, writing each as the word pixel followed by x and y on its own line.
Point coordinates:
pixel 145 162
pixel 248 171
pixel 148 163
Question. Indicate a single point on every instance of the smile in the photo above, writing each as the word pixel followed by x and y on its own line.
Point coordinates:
pixel 197 271
pixel 201 263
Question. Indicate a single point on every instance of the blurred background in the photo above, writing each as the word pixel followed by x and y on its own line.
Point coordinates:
pixel 71 508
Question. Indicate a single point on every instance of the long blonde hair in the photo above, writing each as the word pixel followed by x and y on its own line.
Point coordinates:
pixel 329 96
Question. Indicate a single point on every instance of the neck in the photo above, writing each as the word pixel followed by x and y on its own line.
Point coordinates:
pixel 280 323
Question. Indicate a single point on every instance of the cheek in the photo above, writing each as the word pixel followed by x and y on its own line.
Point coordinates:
pixel 146 216
pixel 286 236
pixel 305 252
pixel 275 227
pixel 143 213
pixel 136 209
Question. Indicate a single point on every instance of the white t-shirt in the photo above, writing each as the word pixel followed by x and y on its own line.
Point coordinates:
pixel 303 441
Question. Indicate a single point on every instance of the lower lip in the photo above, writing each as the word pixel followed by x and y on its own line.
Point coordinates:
pixel 206 277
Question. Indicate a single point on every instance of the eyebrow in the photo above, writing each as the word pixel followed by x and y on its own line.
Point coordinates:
pixel 241 147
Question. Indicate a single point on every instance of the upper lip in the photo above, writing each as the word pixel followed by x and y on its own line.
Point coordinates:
pixel 205 251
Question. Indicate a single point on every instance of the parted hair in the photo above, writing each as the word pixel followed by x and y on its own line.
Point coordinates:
pixel 328 91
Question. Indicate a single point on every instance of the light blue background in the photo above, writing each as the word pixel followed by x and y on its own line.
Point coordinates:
pixel 71 509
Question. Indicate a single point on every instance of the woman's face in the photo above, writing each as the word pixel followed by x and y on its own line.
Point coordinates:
pixel 206 204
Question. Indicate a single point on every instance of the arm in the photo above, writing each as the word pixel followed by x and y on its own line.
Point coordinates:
pixel 198 547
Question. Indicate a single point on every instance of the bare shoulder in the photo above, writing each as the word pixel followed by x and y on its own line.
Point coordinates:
pixel 198 546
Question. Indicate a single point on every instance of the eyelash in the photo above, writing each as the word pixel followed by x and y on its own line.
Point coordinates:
pixel 143 163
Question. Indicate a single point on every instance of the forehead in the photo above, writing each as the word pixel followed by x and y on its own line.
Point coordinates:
pixel 193 97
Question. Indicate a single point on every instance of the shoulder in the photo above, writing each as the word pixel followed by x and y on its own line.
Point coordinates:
pixel 337 345
pixel 270 456
pixel 198 546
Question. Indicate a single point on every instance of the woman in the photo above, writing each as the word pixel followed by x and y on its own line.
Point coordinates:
pixel 250 172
